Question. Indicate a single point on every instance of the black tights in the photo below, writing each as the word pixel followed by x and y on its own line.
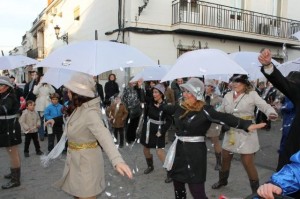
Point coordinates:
pixel 197 190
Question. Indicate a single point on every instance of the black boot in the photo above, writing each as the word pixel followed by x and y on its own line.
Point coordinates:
pixel 15 179
pixel 180 194
pixel 150 165
pixel 254 184
pixel 168 179
pixel 218 166
pixel 223 177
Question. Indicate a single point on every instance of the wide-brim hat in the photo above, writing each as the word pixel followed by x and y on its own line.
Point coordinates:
pixel 160 87
pixel 82 84
pixel 240 78
pixel 294 76
pixel 4 80
pixel 194 86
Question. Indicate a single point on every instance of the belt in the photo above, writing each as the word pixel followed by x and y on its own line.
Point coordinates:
pixel 157 122
pixel 247 117
pixel 172 150
pixel 79 146
pixel 7 117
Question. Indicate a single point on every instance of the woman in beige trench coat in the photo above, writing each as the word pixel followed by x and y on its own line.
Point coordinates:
pixel 241 102
pixel 83 176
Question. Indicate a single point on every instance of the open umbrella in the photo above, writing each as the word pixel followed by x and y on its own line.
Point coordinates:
pixel 57 76
pixel 96 57
pixel 204 62
pixel 15 61
pixel 249 62
pixel 151 73
pixel 289 66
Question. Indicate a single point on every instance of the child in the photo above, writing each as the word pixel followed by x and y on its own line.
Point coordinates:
pixel 117 114
pixel 54 111
pixel 30 122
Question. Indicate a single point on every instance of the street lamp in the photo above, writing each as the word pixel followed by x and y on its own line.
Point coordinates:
pixel 64 37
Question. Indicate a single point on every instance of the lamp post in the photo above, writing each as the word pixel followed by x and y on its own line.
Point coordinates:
pixel 64 37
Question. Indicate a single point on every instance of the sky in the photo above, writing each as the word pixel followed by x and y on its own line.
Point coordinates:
pixel 16 17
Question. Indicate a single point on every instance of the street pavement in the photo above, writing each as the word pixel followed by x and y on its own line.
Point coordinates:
pixel 36 181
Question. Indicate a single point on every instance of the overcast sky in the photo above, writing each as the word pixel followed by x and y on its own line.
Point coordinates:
pixel 16 17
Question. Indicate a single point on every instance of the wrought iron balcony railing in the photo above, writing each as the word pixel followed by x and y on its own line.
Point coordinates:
pixel 225 17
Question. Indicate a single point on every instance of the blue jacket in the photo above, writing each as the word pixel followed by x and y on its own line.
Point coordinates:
pixel 288 178
pixel 53 111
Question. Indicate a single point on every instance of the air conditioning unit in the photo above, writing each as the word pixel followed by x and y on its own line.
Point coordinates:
pixel 53 11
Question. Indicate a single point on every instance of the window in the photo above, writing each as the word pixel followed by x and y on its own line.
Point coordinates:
pixel 77 13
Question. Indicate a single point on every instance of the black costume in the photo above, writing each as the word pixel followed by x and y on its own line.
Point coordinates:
pixel 154 120
pixel 10 129
pixel 190 163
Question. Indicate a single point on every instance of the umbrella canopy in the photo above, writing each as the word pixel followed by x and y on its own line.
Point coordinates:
pixel 151 73
pixel 57 76
pixel 296 35
pixel 15 61
pixel 204 62
pixel 96 57
pixel 249 62
pixel 289 66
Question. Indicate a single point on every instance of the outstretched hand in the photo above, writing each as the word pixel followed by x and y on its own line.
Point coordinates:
pixel 253 127
pixel 265 57
pixel 123 169
pixel 267 190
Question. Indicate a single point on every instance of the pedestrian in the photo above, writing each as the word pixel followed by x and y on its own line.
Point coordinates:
pixel 213 133
pixel 30 122
pixel 117 114
pixel 28 88
pixel 155 128
pixel 99 88
pixel 54 112
pixel 290 87
pixel 284 182
pixel 169 94
pixel 133 97
pixel 175 85
pixel 83 175
pixel 111 88
pixel 241 102
pixel 10 130
pixel 42 92
pixel 187 157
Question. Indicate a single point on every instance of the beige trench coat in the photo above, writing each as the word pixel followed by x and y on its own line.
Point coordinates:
pixel 237 140
pixel 83 174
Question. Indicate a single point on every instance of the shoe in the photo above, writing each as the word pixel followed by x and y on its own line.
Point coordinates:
pixel 42 139
pixel 26 155
pixel 121 146
pixel 39 153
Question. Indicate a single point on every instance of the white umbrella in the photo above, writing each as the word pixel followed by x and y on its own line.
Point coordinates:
pixel 289 66
pixel 96 57
pixel 204 62
pixel 151 73
pixel 15 61
pixel 249 61
pixel 296 35
pixel 57 76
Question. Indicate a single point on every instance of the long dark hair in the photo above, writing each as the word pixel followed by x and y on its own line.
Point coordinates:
pixel 77 101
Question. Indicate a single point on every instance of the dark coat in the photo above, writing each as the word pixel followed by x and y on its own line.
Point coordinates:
pixel 152 112
pixel 28 94
pixel 190 164
pixel 100 91
pixel 111 88
pixel 10 129
pixel 292 91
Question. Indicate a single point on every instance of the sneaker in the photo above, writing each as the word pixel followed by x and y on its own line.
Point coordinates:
pixel 26 155
pixel 39 153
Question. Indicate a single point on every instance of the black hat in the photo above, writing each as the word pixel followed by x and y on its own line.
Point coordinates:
pixel 240 78
pixel 294 76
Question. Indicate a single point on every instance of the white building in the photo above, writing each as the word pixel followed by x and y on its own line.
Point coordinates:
pixel 164 29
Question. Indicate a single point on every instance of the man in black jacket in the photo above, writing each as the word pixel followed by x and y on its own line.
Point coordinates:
pixel 29 87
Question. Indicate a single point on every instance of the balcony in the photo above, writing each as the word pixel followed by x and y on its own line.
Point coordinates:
pixel 37 53
pixel 216 19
